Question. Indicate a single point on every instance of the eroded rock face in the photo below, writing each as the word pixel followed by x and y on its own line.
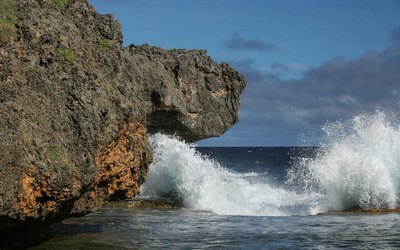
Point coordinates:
pixel 76 108
pixel 122 168
pixel 186 92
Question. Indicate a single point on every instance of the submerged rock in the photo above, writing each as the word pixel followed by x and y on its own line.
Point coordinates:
pixel 147 203
pixel 76 108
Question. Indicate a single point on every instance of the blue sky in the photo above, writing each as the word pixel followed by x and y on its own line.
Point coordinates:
pixel 306 61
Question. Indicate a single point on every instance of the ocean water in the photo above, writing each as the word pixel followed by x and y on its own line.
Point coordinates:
pixel 344 194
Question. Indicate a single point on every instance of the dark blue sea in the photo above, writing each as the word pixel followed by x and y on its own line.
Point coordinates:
pixel 340 196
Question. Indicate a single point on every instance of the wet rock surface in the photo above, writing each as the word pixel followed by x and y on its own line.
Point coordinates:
pixel 76 108
pixel 146 203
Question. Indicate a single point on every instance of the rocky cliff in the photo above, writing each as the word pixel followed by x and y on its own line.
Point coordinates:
pixel 76 107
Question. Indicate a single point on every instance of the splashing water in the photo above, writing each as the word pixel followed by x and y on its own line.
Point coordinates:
pixel 358 167
pixel 179 171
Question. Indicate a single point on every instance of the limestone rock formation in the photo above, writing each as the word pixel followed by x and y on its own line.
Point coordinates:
pixel 76 108
pixel 186 93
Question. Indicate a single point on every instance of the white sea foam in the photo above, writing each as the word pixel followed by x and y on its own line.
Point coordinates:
pixel 358 167
pixel 178 170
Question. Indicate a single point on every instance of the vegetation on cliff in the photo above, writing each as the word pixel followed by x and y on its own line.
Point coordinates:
pixel 60 3
pixel 7 20
pixel 66 54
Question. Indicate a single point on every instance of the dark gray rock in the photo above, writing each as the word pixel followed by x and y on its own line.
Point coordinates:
pixel 185 92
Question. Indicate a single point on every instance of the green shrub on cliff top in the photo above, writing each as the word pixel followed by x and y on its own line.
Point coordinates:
pixel 7 11
pixel 60 3
pixel 104 45
pixel 7 20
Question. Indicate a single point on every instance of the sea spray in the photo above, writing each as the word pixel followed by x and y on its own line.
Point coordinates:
pixel 203 184
pixel 358 167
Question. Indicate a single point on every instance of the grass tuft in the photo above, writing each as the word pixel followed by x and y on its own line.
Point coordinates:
pixel 57 154
pixel 60 3
pixel 66 54
pixel 104 45
pixel 7 20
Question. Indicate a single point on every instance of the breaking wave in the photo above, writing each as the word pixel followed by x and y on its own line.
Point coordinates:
pixel 203 184
pixel 358 167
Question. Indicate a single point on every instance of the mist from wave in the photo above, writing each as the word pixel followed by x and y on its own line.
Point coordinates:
pixel 357 167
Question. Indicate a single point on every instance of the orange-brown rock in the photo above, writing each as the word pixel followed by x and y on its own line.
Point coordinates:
pixel 122 168
pixel 38 197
